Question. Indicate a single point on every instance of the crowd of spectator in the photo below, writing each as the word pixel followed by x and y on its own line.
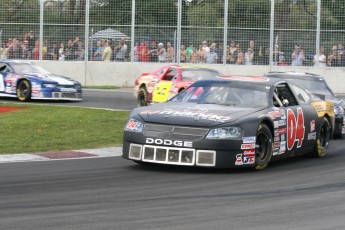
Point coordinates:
pixel 149 51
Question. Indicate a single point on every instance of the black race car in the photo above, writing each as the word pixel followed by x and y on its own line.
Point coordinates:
pixel 318 86
pixel 230 122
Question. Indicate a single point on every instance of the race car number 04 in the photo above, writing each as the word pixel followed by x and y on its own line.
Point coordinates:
pixel 295 128
pixel 2 86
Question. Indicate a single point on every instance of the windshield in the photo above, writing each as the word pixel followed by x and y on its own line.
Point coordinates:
pixel 225 93
pixel 316 87
pixel 28 68
pixel 198 74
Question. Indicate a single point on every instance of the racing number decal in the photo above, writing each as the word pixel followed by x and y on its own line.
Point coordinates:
pixel 295 128
pixel 2 85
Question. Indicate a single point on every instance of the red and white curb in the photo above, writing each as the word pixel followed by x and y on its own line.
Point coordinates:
pixel 62 155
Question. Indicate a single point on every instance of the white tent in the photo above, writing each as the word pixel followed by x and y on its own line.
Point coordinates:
pixel 109 34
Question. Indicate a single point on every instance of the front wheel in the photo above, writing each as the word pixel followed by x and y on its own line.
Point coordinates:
pixel 263 147
pixel 142 97
pixel 24 90
pixel 322 140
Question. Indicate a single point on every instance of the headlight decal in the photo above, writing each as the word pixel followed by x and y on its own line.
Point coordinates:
pixel 225 133
pixel 134 126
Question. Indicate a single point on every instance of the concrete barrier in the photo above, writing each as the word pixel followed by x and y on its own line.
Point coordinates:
pixel 125 73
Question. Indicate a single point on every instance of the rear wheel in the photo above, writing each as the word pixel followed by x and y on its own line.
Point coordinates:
pixel 263 147
pixel 142 97
pixel 322 140
pixel 24 90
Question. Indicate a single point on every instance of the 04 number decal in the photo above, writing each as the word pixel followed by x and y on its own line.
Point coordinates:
pixel 295 128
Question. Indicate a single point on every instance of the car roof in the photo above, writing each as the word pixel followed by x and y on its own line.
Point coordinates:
pixel 295 75
pixel 247 80
pixel 7 61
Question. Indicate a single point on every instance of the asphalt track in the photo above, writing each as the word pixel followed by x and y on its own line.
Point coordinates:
pixel 113 193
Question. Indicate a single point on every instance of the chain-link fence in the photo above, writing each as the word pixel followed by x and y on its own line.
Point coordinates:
pixel 238 32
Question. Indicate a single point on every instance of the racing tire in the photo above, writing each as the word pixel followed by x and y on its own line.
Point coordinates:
pixel 263 147
pixel 142 97
pixel 322 140
pixel 23 90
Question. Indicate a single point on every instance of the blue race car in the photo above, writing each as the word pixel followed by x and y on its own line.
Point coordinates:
pixel 26 80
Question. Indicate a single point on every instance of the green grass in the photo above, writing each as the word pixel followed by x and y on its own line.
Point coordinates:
pixel 102 87
pixel 50 128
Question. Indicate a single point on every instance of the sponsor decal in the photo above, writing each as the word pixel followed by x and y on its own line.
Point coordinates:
pixel 276 132
pixel 197 115
pixel 249 156
pixel 282 122
pixel 276 124
pixel 323 107
pixel 282 145
pixel 282 114
pixel 312 136
pixel 277 139
pixel 239 160
pixel 282 131
pixel 274 114
pixel 249 139
pixel 312 126
pixel 275 153
pixel 248 160
pixel 188 144
pixel 282 137
pixel 276 144
pixel 248 146
pixel 295 128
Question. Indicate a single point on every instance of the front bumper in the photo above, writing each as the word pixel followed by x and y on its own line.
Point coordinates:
pixel 188 156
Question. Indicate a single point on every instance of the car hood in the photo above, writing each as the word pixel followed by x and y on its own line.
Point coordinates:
pixel 51 78
pixel 191 114
pixel 335 100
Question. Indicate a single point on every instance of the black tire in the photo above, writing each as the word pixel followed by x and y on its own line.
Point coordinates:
pixel 24 90
pixel 322 140
pixel 263 147
pixel 142 97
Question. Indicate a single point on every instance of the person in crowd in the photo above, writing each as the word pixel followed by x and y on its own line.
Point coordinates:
pixel 211 57
pixel 4 51
pixel 31 44
pixel 154 52
pixel 320 59
pixel 341 54
pixel 297 56
pixel 121 51
pixel 24 48
pixel 205 47
pixel 170 56
pixel 161 53
pixel 333 59
pixel 189 51
pixel 36 50
pixel 107 51
pixel 249 57
pixel 45 49
pixel 201 55
pixel 52 52
pixel 97 56
pixel 257 53
pixel 135 52
pixel 230 59
pixel 80 53
pixel 238 54
pixel 144 53
pixel 194 56
pixel 183 54
pixel 62 52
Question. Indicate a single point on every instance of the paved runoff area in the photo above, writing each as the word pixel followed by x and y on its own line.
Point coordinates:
pixel 62 155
